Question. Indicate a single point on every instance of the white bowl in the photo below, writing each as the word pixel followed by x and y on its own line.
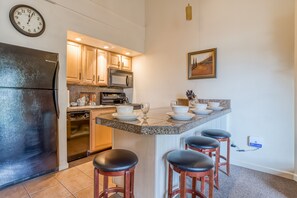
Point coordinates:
pixel 213 104
pixel 124 109
pixel 177 109
pixel 200 106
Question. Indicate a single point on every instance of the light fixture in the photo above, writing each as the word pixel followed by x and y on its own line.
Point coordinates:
pixel 105 47
pixel 78 39
pixel 189 12
pixel 127 53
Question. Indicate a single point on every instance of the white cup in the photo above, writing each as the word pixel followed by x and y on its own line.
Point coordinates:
pixel 213 104
pixel 177 109
pixel 124 109
pixel 200 106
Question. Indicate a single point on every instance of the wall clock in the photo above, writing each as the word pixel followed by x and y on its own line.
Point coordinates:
pixel 27 20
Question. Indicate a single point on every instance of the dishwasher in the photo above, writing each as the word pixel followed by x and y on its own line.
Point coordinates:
pixel 78 135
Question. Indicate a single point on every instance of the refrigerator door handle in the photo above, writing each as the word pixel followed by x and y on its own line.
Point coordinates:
pixel 55 89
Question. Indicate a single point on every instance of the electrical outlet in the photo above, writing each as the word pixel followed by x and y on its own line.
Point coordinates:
pixel 256 142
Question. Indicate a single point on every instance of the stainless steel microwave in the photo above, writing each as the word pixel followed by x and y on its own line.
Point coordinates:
pixel 119 78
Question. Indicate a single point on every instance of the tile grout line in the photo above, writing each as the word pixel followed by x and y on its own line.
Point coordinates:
pixel 68 189
pixel 26 190
pixel 65 187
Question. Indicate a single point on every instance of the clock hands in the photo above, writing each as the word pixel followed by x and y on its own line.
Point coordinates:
pixel 33 13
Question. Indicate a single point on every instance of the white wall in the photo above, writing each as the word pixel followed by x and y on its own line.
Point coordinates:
pixel 255 62
pixel 80 16
pixel 295 90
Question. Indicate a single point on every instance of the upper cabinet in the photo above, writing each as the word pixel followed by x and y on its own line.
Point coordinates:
pixel 120 62
pixel 74 51
pixel 88 65
pixel 126 63
pixel 101 68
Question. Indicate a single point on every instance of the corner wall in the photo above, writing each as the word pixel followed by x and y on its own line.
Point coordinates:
pixel 295 75
pixel 255 69
pixel 80 16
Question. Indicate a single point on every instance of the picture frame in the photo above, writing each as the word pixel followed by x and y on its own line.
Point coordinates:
pixel 202 64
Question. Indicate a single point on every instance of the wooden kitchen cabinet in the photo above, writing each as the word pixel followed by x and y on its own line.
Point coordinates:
pixel 89 65
pixel 100 136
pixel 74 71
pixel 126 63
pixel 101 68
pixel 119 61
pixel 114 60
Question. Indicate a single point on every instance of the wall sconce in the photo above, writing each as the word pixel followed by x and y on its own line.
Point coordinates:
pixel 189 12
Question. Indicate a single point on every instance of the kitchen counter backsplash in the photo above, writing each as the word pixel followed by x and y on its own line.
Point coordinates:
pixel 75 90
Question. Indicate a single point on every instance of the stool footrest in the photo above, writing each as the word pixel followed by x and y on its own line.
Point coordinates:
pixel 188 190
pixel 111 190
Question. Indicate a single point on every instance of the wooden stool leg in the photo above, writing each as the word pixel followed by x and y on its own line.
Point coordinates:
pixel 132 184
pixel 170 172
pixel 210 189
pixel 194 179
pixel 228 156
pixel 96 183
pixel 105 186
pixel 182 184
pixel 202 185
pixel 217 167
pixel 127 184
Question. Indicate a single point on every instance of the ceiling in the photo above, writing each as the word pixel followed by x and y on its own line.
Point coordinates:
pixel 87 40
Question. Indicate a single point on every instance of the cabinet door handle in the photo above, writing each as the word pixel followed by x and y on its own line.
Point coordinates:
pixel 79 76
pixel 93 77
pixel 98 78
pixel 119 63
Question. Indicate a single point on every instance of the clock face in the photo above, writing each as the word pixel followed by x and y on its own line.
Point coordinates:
pixel 27 20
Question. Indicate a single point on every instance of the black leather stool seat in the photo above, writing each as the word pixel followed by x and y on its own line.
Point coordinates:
pixel 115 160
pixel 215 133
pixel 190 160
pixel 201 142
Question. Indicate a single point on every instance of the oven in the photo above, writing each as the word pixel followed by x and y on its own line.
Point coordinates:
pixel 78 134
pixel 116 98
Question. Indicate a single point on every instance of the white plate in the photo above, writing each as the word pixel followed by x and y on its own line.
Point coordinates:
pixel 182 117
pixel 201 112
pixel 215 108
pixel 128 117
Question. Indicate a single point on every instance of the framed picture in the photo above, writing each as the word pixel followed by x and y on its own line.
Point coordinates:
pixel 202 64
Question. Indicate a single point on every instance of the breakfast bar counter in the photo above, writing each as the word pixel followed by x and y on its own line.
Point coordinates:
pixel 152 138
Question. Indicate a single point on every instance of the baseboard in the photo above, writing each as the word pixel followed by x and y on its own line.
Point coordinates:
pixel 63 166
pixel 285 174
pixel 295 177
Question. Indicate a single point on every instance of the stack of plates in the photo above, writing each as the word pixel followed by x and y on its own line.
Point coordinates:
pixel 201 112
pixel 219 108
pixel 182 117
pixel 125 117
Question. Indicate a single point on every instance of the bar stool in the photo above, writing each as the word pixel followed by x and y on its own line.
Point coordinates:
pixel 193 164
pixel 115 162
pixel 208 146
pixel 221 136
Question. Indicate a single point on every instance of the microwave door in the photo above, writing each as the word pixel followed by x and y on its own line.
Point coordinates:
pixel 119 80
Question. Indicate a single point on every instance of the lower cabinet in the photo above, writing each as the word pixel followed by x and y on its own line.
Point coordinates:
pixel 100 136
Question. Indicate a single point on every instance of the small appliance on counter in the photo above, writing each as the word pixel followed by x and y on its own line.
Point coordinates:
pixel 116 98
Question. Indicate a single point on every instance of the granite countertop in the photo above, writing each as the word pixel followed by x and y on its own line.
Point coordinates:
pixel 88 108
pixel 159 123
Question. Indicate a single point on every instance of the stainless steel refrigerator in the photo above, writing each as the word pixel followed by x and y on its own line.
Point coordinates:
pixel 28 113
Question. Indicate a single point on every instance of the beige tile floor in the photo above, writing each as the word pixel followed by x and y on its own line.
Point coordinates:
pixel 76 182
